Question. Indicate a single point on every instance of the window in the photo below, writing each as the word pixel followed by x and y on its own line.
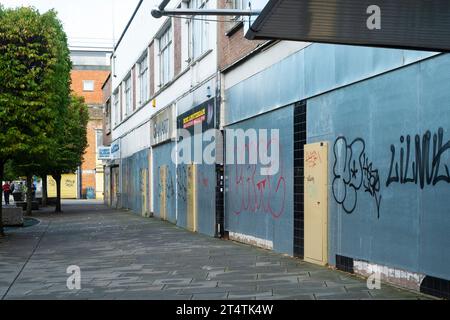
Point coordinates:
pixel 88 85
pixel 198 31
pixel 108 117
pixel 99 138
pixel 143 80
pixel 240 5
pixel 128 96
pixel 116 107
pixel 165 53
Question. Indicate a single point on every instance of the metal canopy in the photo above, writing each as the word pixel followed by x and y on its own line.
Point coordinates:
pixel 407 24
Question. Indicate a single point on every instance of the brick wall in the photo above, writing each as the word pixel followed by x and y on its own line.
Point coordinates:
pixel 99 78
pixel 234 46
pixel 177 45
pixel 151 51
pixel 95 100
pixel 107 90
pixel 90 157
pixel 107 120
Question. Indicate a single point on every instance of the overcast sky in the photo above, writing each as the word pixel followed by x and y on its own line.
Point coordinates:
pixel 86 21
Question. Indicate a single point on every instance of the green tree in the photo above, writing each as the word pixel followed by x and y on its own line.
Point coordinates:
pixel 34 87
pixel 71 144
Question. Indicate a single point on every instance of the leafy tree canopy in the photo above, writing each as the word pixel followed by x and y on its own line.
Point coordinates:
pixel 34 82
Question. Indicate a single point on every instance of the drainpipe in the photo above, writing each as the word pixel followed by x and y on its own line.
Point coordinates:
pixel 119 198
pixel 80 183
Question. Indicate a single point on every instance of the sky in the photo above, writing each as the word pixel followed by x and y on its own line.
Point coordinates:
pixel 86 22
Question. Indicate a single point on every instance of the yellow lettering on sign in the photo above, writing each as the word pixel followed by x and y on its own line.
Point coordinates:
pixel 194 116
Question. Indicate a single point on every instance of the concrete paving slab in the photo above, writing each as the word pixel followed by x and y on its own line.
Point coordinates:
pixel 123 256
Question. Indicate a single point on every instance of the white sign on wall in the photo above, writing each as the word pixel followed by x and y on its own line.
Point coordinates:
pixel 162 126
pixel 104 153
pixel 115 150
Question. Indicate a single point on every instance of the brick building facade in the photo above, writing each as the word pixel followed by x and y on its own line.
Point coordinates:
pixel 91 68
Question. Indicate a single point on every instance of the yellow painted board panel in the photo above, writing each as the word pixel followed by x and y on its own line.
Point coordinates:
pixel 192 198
pixel 99 182
pixel 316 203
pixel 68 186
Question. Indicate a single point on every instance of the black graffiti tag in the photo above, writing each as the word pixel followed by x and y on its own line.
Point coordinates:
pixel 354 172
pixel 182 182
pixel 426 168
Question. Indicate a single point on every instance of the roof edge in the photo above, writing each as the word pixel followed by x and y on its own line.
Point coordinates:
pixel 128 25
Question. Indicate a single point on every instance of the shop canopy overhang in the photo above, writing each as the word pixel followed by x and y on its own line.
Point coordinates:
pixel 405 24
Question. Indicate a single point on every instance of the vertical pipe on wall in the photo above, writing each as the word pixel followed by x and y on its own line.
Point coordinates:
pixel 120 191
pixel 80 183
pixel 174 123
pixel 150 181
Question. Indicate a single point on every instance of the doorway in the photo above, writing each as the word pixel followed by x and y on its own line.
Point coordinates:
pixel 316 203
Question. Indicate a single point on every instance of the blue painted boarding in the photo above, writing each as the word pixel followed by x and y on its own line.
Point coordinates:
pixel 132 181
pixel 262 206
pixel 206 193
pixel 162 155
pixel 365 102
pixel 390 206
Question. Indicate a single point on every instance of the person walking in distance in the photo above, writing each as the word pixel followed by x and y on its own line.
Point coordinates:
pixel 7 192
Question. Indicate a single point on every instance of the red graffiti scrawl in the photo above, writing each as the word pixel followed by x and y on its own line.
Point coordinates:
pixel 312 159
pixel 258 194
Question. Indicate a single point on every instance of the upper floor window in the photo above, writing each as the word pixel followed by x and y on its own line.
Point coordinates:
pixel 98 138
pixel 198 31
pixel 128 96
pixel 88 85
pixel 240 4
pixel 116 101
pixel 108 117
pixel 143 80
pixel 165 54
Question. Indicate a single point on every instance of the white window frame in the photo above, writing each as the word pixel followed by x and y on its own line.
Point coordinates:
pixel 108 117
pixel 90 88
pixel 116 98
pixel 198 45
pixel 165 56
pixel 240 4
pixel 98 136
pixel 143 79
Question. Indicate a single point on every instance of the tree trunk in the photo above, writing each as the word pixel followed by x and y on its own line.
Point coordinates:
pixel 44 191
pixel 2 167
pixel 29 194
pixel 57 178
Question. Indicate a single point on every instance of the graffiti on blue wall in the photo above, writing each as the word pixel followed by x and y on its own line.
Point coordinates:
pixel 257 193
pixel 354 173
pixel 422 166
pixel 169 187
pixel 182 182
pixel 417 163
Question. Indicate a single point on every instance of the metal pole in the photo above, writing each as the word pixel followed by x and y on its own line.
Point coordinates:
pixel 158 13
pixel 163 5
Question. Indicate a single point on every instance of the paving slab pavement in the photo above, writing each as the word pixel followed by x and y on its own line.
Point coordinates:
pixel 127 257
